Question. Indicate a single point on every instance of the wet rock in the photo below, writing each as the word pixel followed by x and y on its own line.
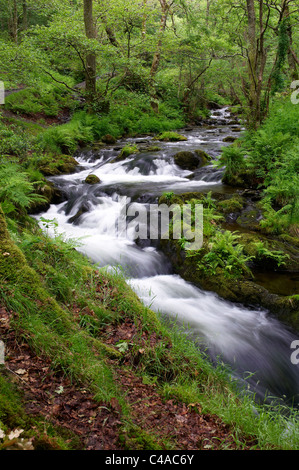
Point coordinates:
pixel 92 179
pixel 109 139
pixel 191 160
pixel 229 138
pixel 203 156
pixel 250 218
pixel 186 160
pixel 51 195
pixel 61 165
pixel 75 218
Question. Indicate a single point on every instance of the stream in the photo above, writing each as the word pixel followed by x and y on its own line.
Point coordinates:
pixel 254 345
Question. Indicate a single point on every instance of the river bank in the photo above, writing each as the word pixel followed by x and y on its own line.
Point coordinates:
pixel 89 213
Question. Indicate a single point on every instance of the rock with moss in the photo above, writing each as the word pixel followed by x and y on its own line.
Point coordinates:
pixel 204 156
pixel 57 165
pixel 191 160
pixel 92 179
pixel 126 152
pixel 233 204
pixel 171 137
pixel 109 139
pixel 229 138
pixel 186 160
pixel 244 177
pixel 51 195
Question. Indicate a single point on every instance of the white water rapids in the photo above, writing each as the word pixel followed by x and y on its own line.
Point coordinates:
pixel 250 341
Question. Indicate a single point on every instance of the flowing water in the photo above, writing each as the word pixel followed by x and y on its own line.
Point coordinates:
pixel 249 341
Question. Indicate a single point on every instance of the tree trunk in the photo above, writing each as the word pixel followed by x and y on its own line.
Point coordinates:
pixel 291 58
pixel 13 20
pixel 157 56
pixel 25 16
pixel 256 63
pixel 90 72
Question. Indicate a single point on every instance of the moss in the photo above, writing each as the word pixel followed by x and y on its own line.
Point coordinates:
pixel 49 192
pixel 229 138
pixel 135 438
pixel 12 414
pixel 204 157
pixel 233 204
pixel 169 136
pixel 126 152
pixel 92 179
pixel 187 160
pixel 57 165
pixel 153 148
pixel 249 218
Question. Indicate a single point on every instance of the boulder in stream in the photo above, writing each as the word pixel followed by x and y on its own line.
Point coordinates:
pixel 191 160
pixel 92 179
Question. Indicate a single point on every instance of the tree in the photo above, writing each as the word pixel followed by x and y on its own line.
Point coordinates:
pixel 165 7
pixel 90 69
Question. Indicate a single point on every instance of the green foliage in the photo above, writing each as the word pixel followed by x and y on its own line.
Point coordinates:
pixel 17 193
pixel 225 253
pixel 262 252
pixel 46 99
pixel 232 158
pixel 272 162
pixel 14 141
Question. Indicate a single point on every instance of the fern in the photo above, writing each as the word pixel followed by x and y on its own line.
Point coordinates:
pixel 17 193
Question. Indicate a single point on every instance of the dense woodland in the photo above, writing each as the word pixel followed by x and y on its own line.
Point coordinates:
pixel 81 73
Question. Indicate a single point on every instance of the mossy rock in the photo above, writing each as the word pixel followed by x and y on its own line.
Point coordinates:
pixel 57 165
pixel 245 177
pixel 50 193
pixel 98 145
pixel 250 218
pixel 187 160
pixel 92 179
pixel 83 209
pixel 233 204
pixel 229 138
pixel 126 152
pixel 153 148
pixel 286 252
pixel 171 137
pixel 205 158
pixel 109 139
